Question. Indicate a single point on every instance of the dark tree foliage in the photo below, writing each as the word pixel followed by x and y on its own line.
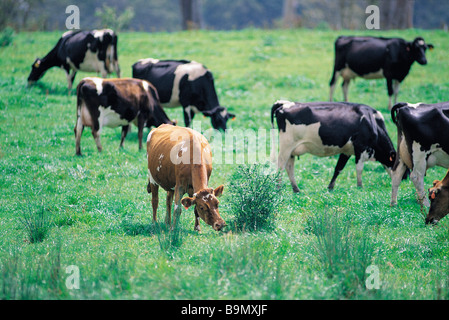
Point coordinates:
pixel 173 15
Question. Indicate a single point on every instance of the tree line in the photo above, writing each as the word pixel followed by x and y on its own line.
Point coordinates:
pixel 174 15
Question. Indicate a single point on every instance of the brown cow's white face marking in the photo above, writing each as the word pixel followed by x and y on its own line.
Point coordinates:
pixel 206 206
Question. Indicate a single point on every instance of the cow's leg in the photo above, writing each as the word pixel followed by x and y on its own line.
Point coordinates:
pixel 140 132
pixel 342 160
pixel 290 168
pixel 396 178
pixel 417 177
pixel 70 78
pixel 96 135
pixel 396 84
pixel 188 116
pixel 169 203
pixel 197 222
pixel 125 130
pixel 79 127
pixel 390 92
pixel 179 192
pixel 96 130
pixel 154 189
pixel 332 84
pixel 117 68
pixel 286 161
pixel 360 159
pixel 345 87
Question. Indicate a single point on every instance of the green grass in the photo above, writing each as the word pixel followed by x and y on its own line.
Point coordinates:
pixel 100 211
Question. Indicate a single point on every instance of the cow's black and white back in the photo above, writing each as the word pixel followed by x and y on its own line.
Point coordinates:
pixel 331 128
pixel 89 51
pixel 375 58
pixel 184 83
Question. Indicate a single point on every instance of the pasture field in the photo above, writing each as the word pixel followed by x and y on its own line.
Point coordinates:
pixel 100 213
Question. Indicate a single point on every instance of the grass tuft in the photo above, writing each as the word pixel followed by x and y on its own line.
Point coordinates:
pixel 37 224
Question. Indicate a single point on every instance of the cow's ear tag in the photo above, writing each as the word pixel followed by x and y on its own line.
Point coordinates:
pixel 186 208
pixel 432 196
pixel 391 158
pixel 37 64
pixel 233 118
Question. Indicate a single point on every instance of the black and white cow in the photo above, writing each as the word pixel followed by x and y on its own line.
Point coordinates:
pixel 423 142
pixel 330 128
pixel 184 83
pixel 114 103
pixel 91 51
pixel 376 58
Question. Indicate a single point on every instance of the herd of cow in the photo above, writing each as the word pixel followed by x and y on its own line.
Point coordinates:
pixel 319 128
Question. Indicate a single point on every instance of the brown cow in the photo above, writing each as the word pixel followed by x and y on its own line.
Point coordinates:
pixel 116 102
pixel 439 200
pixel 180 161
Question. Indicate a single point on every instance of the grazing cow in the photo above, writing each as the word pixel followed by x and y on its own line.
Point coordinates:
pixel 330 128
pixel 116 102
pixel 423 142
pixel 439 200
pixel 184 83
pixel 91 51
pixel 180 161
pixel 376 58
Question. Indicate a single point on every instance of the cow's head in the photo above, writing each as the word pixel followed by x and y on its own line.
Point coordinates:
pixel 439 200
pixel 418 50
pixel 206 206
pixel 36 71
pixel 219 116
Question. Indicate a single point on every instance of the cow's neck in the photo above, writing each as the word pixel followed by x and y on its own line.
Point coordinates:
pixel 199 177
pixel 49 61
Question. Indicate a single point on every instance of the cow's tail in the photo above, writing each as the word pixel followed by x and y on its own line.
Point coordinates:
pixel 394 111
pixel 274 109
pixel 394 117
pixel 79 98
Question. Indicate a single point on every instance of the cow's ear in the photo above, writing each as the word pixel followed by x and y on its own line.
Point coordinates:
pixel 230 116
pixel 392 156
pixel 219 191
pixel 207 113
pixel 187 202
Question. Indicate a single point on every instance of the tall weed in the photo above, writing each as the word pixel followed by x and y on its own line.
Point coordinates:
pixel 344 252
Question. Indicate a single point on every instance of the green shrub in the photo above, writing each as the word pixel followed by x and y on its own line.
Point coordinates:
pixel 255 191
pixel 6 36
